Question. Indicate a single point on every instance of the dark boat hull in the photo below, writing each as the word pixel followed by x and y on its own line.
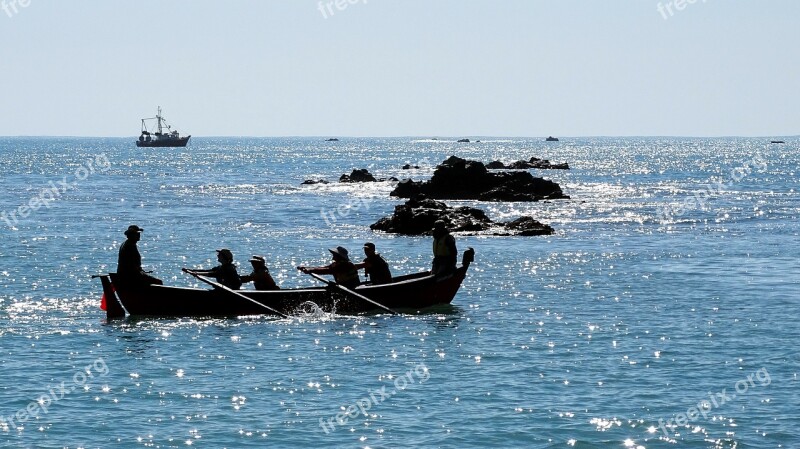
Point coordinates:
pixel 412 293
pixel 164 143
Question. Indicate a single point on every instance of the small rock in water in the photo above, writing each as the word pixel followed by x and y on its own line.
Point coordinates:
pixel 358 175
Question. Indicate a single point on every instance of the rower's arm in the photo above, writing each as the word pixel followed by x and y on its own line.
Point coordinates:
pixel 319 270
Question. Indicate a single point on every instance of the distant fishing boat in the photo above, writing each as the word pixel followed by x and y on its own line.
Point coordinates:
pixel 160 134
pixel 551 139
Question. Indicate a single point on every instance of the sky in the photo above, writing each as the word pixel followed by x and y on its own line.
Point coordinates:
pixel 401 67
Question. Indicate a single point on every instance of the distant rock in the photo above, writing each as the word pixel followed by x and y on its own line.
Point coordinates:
pixel 777 141
pixel 463 140
pixel 460 179
pixel 333 139
pixel 358 175
pixel 311 182
pixel 409 167
pixel 418 214
pixel 551 139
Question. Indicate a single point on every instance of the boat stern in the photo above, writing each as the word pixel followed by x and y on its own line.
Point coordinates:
pixel 113 307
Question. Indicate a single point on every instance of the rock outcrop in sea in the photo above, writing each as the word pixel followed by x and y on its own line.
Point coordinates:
pixel 461 179
pixel 418 214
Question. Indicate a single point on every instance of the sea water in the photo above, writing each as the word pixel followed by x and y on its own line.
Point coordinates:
pixel 662 313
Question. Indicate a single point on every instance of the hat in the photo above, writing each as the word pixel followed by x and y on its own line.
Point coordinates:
pixel 226 253
pixel 341 252
pixel 369 245
pixel 258 259
pixel 439 224
pixel 133 229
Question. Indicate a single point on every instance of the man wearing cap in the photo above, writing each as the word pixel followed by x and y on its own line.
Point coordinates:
pixel 445 252
pixel 225 273
pixel 129 264
pixel 343 271
pixel 375 266
pixel 260 276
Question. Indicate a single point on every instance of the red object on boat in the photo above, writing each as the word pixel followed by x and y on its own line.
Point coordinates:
pixel 103 305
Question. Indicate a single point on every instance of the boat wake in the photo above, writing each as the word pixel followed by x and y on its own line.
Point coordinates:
pixel 311 311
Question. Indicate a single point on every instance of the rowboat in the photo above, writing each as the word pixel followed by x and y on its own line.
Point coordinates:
pixel 408 293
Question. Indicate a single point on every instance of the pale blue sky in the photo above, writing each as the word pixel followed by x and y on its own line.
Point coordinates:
pixel 402 67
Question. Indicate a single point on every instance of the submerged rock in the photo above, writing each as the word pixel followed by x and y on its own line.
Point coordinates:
pixel 418 214
pixel 458 178
pixel 311 182
pixel 534 162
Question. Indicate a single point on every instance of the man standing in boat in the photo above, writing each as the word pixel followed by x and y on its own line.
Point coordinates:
pixel 225 273
pixel 343 271
pixel 129 264
pixel 445 252
pixel 375 267
pixel 260 276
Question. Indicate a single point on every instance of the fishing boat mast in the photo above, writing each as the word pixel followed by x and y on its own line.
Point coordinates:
pixel 159 118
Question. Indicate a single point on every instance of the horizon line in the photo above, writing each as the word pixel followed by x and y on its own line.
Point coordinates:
pixel 427 137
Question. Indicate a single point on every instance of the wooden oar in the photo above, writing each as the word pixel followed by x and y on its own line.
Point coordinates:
pixel 235 293
pixel 351 292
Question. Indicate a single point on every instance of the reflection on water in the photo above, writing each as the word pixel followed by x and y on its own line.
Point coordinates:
pixel 592 337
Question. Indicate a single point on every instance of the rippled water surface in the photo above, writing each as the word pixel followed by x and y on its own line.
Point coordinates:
pixel 662 313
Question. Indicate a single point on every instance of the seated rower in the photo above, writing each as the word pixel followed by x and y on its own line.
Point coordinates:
pixel 225 273
pixel 260 276
pixel 343 271
pixel 375 267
